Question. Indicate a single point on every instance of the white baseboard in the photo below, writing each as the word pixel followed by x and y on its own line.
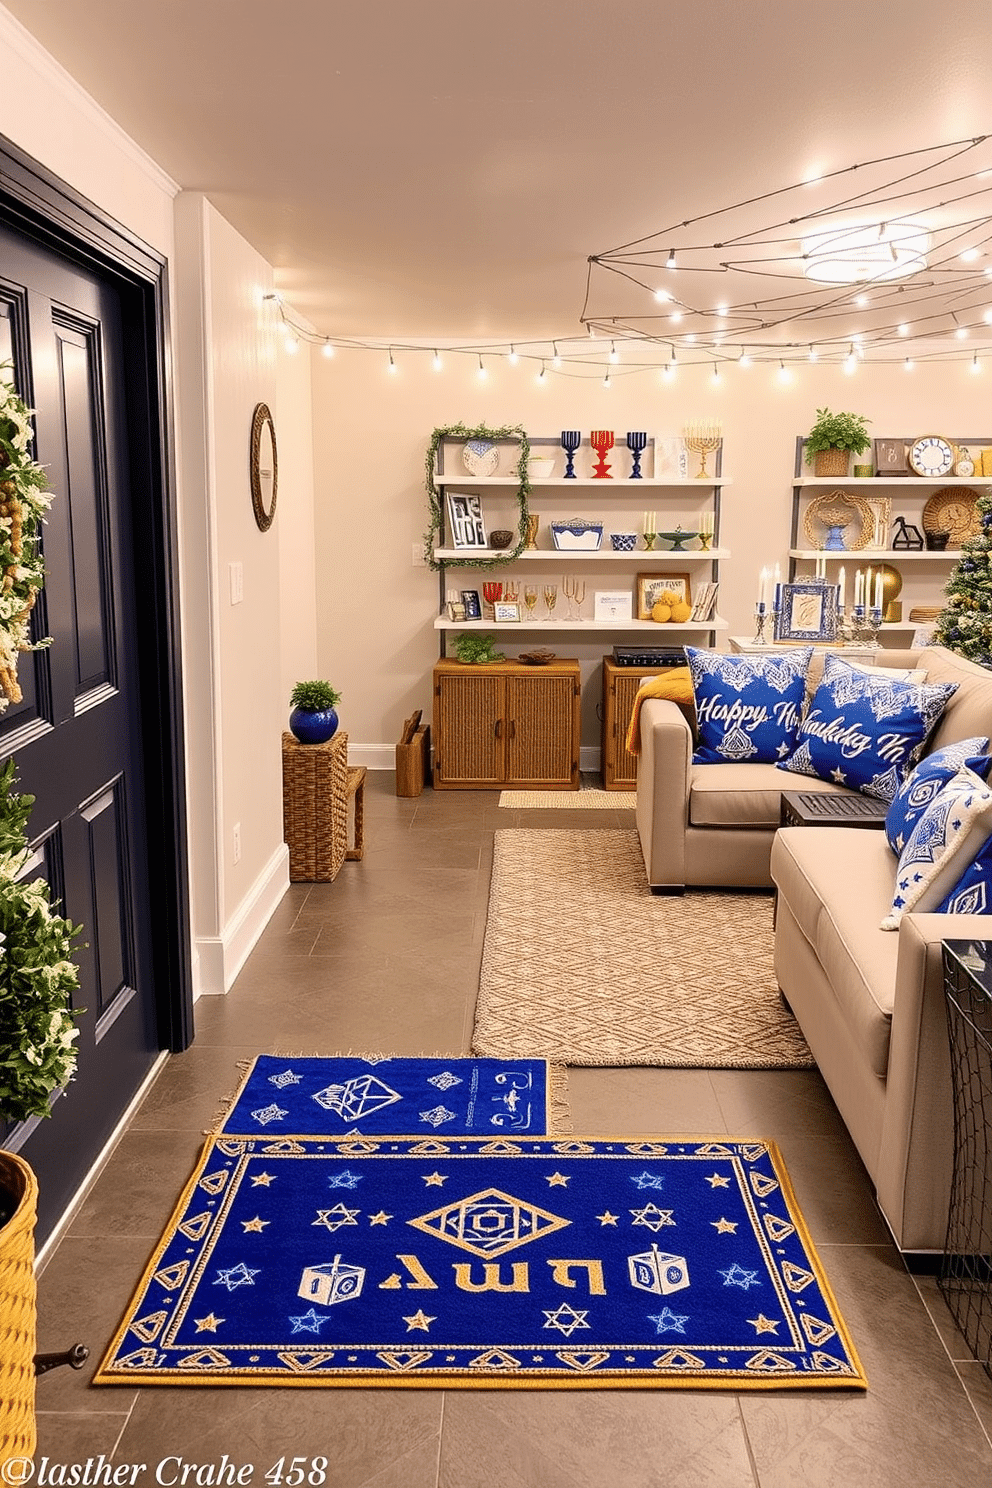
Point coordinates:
pixel 221 957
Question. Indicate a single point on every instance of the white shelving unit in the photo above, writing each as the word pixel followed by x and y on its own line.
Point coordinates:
pixel 912 493
pixel 620 502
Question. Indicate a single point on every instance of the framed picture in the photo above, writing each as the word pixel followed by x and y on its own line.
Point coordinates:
pixel 808 613
pixel 612 604
pixel 890 457
pixel 881 512
pixel 472 603
pixel 465 520
pixel 505 613
pixel 671 458
pixel 455 609
pixel 650 587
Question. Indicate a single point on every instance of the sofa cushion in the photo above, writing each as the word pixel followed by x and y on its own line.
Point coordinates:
pixel 970 709
pixel 743 795
pixel 837 882
pixel 944 841
pixel 861 730
pixel 747 707
pixel 972 894
pixel 925 782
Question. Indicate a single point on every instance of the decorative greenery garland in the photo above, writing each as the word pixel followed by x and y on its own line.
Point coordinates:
pixel 434 498
pixel 37 977
pixel 24 499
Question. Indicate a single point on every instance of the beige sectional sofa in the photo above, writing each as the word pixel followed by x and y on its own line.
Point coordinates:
pixel 870 1002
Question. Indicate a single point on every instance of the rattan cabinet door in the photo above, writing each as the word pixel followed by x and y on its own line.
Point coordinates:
pixel 469 729
pixel 542 712
pixel 620 687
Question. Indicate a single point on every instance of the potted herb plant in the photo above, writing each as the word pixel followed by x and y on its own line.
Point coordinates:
pixel 832 440
pixel 476 650
pixel 313 719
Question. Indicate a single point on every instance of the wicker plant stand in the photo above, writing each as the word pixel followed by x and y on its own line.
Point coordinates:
pixel 315 791
pixel 18 1186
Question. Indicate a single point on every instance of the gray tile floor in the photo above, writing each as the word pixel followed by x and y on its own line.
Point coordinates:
pixel 386 959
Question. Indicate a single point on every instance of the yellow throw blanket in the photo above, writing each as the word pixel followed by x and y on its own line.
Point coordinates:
pixel 675 684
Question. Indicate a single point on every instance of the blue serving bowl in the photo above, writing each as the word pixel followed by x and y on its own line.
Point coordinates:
pixel 623 542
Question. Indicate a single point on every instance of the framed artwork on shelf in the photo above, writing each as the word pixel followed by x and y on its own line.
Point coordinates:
pixel 472 604
pixel 651 586
pixel 455 609
pixel 808 612
pixel 468 530
pixel 671 458
pixel 881 511
pixel 890 457
pixel 612 604
pixel 505 613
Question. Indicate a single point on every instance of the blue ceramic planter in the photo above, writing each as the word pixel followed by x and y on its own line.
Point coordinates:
pixel 313 728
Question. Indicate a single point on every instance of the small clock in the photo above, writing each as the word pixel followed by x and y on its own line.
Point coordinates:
pixel 931 456
pixel 964 466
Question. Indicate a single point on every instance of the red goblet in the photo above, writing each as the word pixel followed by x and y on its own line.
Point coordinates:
pixel 601 441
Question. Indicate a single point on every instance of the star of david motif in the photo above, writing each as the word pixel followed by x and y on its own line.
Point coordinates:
pixel 489 1223
pixel 652 1217
pixel 333 1219
pixel 566 1319
pixel 236 1276
pixel 736 1276
pixel 438 1116
pixel 444 1080
pixel 357 1098
pixel 667 1321
pixel 345 1180
pixel 287 1077
pixel 648 1180
pixel 265 1114
pixel 310 1322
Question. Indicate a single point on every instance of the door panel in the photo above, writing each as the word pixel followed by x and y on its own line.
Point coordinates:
pixel 470 729
pixel 77 735
pixel 541 716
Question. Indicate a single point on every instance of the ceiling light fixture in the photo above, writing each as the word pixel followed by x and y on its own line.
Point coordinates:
pixel 856 252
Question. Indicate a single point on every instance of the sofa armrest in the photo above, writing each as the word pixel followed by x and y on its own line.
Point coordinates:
pixel 663 779
pixel 916 1150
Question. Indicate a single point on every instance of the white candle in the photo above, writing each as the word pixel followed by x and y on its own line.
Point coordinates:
pixel 841 581
pixel 878 590
pixel 859 583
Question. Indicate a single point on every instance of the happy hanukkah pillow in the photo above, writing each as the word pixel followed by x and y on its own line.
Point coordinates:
pixel 748 708
pixel 926 781
pixel 862 731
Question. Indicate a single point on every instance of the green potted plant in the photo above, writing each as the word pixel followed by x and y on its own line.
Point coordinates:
pixel 476 650
pixel 313 719
pixel 832 440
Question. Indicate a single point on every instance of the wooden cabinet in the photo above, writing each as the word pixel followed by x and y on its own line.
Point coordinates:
pixel 620 685
pixel 506 725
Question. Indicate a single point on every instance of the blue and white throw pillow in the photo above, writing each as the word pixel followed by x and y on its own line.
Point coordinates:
pixel 748 708
pixel 972 894
pixel 862 730
pixel 948 836
pixel 928 778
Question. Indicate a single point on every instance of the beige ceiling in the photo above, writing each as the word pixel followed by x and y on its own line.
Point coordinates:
pixel 444 169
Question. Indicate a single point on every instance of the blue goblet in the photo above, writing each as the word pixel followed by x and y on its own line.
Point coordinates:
pixel 570 441
pixel 637 444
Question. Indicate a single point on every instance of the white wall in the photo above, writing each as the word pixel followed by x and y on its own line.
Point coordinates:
pixel 375 610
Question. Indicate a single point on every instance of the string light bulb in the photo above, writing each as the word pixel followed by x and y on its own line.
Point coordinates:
pixel 670 261
pixel 327 349
pixel 542 376
pixel 743 360
pixel 784 375
pixel 483 374
pixel 391 366
pixel 513 358
pixel 291 343
pixel 976 365
pixel 614 354
pixel 556 359
pixel 606 381
pixel 850 361
pixel 907 365
pixel 436 362
pixel 662 296
pixel 716 379
pixel 814 355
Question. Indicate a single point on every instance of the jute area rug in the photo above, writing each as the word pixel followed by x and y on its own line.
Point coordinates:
pixel 584 965
pixel 589 798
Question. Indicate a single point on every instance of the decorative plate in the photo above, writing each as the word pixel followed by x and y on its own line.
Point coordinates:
pixel 480 457
pixel 840 509
pixel 953 510
pixel 932 456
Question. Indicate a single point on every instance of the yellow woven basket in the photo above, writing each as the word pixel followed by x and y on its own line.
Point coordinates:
pixel 19 1192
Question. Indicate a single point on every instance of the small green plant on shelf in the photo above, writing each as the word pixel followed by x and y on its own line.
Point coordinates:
pixel 477 650
pixel 314 697
pixel 841 431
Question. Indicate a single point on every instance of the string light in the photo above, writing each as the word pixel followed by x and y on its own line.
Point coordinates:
pixel 436 362
pixel 743 360
pixel 784 375
pixel 542 376
pixel 675 317
pixel 483 374
pixel 392 365
pixel 907 365
pixel 292 344
pixel 614 354
pixel 662 296
pixel 556 359
pixel 513 358
pixel 716 378
pixel 670 261
pixel 903 329
pixel 850 361
pixel 606 381
pixel 814 355
pixel 961 332
pixel 327 350
pixel 976 365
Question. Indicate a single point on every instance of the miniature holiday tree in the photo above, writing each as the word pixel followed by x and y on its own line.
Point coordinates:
pixel 965 625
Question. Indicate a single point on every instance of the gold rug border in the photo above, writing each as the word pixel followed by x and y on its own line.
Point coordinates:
pixel 635 1380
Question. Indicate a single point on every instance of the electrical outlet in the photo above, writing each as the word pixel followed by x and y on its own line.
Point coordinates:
pixel 236 841
pixel 419 561
pixel 236 575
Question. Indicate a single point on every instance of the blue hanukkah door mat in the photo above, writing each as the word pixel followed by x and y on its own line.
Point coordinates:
pixel 485 1263
pixel 333 1096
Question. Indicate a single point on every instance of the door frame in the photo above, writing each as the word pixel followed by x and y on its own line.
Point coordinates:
pixel 44 208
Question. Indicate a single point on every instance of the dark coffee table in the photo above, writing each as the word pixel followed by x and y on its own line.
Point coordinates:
pixel 824 809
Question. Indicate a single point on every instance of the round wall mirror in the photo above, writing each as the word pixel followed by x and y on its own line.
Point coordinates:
pixel 264 467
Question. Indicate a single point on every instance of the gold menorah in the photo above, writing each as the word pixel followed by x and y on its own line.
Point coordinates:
pixel 701 438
